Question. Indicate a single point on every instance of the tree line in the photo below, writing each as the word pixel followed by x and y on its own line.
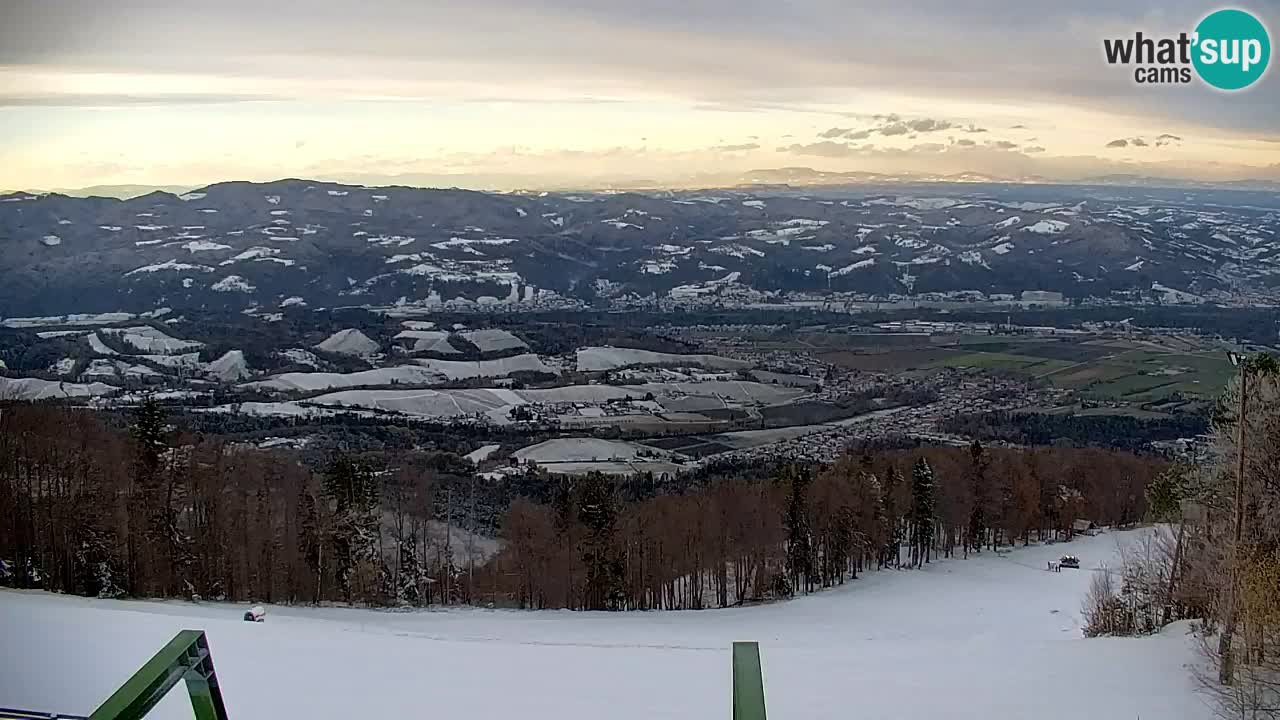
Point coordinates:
pixel 731 540
pixel 1120 432
pixel 152 510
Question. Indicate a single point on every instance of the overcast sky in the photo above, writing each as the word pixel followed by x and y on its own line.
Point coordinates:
pixel 563 91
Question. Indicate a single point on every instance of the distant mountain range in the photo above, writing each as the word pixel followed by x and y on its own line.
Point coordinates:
pixel 765 177
pixel 241 245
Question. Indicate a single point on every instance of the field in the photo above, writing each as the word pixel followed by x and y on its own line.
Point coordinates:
pixel 988 637
pixel 421 372
pixel 595 359
pixel 1133 371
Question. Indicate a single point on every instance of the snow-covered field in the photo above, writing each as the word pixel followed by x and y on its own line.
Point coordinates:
pixel 422 372
pixel 585 449
pixel 493 340
pixel 595 359
pixel 146 339
pixel 496 403
pixel 37 389
pixel 349 342
pixel 990 638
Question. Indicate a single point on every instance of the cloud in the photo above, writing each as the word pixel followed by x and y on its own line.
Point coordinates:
pixel 92 100
pixel 737 148
pixel 975 129
pixel 826 148
pixel 1033 149
pixel 1002 144
pixel 573 48
pixel 1160 140
pixel 965 142
pixel 1017 127
pixel 890 125
pixel 925 125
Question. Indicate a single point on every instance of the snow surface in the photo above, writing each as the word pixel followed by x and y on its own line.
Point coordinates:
pixel 252 254
pixel 147 339
pixel 583 449
pixel 916 203
pixel 988 638
pixel 168 265
pixel 422 372
pixel 494 404
pixel 855 266
pixel 595 359
pixel 301 357
pixel 37 389
pixel 436 341
pixel 233 283
pixel 99 347
pixel 482 453
pixel 493 339
pixel 111 369
pixel 349 342
pixel 203 246
pixel 73 319
pixel 229 368
pixel 464 369
pixel 1047 227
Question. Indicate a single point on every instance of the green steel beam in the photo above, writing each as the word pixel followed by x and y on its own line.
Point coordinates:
pixel 186 657
pixel 748 682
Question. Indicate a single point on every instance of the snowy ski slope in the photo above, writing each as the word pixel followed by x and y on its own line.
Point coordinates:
pixel 982 639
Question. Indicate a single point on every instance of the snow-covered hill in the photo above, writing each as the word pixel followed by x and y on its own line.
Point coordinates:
pixel 292 242
pixel 980 639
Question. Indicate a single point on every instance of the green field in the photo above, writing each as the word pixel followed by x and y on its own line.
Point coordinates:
pixel 1135 371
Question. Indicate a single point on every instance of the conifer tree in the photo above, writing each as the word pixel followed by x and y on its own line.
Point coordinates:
pixel 598 512
pixel 981 495
pixel 923 510
pixel 893 518
pixel 799 536
pixel 411 578
pixel 350 486
pixel 147 514
pixel 309 540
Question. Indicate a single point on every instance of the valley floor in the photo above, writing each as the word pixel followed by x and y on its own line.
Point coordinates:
pixel 985 638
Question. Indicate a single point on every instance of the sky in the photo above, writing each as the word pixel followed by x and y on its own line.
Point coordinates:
pixel 580 93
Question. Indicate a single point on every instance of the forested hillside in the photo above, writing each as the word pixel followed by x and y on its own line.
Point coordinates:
pixel 160 512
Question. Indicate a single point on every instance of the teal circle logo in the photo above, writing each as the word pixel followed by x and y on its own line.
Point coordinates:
pixel 1232 49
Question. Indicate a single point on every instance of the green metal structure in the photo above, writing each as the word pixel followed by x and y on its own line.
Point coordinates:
pixel 185 658
pixel 748 682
